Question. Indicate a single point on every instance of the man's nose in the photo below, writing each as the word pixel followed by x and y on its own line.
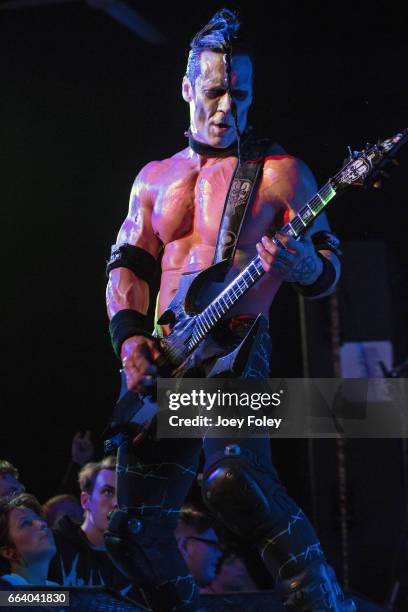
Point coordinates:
pixel 224 104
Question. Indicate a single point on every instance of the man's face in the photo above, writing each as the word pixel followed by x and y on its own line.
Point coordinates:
pixel 211 120
pixel 201 553
pixel 31 537
pixel 102 500
pixel 9 486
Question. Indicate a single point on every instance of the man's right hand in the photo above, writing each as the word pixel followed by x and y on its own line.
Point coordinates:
pixel 138 354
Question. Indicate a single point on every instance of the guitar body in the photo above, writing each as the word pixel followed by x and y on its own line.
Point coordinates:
pixel 196 291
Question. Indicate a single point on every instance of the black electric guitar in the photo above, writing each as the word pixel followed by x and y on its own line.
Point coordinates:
pixel 200 304
pixel 202 298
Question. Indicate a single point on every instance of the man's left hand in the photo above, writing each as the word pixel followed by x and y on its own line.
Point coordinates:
pixel 298 262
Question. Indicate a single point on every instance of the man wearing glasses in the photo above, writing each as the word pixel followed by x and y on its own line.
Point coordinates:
pixel 198 542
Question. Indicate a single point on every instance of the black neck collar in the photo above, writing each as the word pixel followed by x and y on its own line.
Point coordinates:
pixel 209 151
pixel 206 150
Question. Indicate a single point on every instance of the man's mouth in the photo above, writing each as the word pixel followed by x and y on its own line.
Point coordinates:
pixel 222 127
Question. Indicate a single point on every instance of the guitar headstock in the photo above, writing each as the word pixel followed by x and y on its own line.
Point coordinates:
pixel 367 164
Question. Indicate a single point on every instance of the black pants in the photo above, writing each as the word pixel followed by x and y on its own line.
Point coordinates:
pixel 155 477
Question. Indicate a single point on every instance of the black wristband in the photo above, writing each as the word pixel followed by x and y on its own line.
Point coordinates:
pixel 321 284
pixel 124 324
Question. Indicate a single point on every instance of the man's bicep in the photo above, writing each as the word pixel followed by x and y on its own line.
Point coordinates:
pixel 137 229
pixel 133 265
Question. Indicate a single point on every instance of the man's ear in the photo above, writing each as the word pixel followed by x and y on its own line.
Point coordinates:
pixel 187 89
pixel 182 546
pixel 85 500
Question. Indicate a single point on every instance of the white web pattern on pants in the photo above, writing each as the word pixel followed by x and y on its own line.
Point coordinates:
pixel 300 515
pixel 140 469
pixel 312 548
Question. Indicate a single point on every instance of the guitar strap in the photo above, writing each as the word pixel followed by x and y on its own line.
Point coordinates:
pixel 241 193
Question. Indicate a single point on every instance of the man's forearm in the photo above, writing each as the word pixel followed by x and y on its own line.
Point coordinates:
pixel 126 291
pixel 127 304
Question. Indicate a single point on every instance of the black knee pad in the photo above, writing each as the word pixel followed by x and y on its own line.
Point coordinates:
pixel 231 488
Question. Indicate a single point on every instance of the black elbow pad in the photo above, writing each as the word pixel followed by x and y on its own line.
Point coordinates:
pixel 138 260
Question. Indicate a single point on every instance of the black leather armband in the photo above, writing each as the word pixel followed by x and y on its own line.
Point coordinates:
pixel 141 262
pixel 124 324
pixel 322 284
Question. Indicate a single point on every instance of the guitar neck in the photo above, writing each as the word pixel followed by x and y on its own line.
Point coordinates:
pixel 223 303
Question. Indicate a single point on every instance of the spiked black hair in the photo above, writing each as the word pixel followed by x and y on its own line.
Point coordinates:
pixel 222 34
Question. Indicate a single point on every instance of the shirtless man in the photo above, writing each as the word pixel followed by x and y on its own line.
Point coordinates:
pixel 176 205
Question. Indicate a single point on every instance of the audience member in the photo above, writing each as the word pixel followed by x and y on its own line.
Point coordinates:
pixel 240 569
pixel 81 557
pixel 61 505
pixel 197 535
pixel 26 542
pixel 9 482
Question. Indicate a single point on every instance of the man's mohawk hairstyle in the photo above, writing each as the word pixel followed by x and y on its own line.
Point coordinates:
pixel 219 32
pixel 222 34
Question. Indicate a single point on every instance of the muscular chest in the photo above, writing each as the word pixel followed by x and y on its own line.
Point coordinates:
pixel 190 202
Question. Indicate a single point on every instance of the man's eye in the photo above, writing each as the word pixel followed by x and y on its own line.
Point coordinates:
pixel 108 492
pixel 214 93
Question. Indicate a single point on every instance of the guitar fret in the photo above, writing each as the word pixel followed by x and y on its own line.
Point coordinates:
pixel 311 210
pixel 205 322
pixel 210 314
pixel 244 281
pixel 215 313
pixel 291 231
pixel 320 198
pixel 215 304
pixel 298 224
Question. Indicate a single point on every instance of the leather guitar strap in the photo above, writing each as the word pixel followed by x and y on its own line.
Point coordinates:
pixel 241 194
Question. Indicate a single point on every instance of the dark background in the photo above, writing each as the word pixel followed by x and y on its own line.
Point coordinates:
pixel 84 105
